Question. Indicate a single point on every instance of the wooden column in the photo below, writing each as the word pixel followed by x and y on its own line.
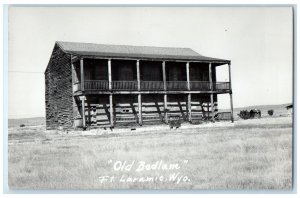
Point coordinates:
pixel 231 107
pixel 189 106
pixel 140 109
pixel 109 74
pixel 138 76
pixel 230 93
pixel 188 75
pixel 165 88
pixel 81 75
pixel 89 114
pixel 211 95
pixel 166 108
pixel 164 75
pixel 111 110
pixel 82 98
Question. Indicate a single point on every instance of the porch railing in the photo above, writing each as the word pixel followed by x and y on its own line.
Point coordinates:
pixel 199 85
pixel 152 85
pixel 177 85
pixel 222 86
pixel 103 85
pixel 96 85
pixel 124 85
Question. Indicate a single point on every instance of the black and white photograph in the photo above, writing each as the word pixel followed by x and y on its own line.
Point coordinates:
pixel 150 98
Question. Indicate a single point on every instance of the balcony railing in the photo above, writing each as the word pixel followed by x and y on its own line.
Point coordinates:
pixel 103 85
pixel 199 85
pixel 152 85
pixel 177 85
pixel 124 85
pixel 222 86
pixel 96 85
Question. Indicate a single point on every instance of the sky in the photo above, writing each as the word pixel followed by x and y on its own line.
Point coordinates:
pixel 257 40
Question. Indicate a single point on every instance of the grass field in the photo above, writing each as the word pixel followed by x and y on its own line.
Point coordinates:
pixel 251 154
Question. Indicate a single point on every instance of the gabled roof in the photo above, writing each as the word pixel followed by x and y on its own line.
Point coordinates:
pixel 138 52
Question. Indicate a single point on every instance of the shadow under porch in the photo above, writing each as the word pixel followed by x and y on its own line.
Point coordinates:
pixel 154 109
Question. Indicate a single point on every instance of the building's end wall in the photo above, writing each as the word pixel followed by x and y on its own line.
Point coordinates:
pixel 58 91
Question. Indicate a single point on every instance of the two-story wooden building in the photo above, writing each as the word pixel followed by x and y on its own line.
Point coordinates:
pixel 107 85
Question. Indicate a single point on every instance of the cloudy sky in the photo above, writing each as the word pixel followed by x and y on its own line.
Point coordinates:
pixel 258 41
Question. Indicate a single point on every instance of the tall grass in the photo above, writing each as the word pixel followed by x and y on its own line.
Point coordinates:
pixel 237 157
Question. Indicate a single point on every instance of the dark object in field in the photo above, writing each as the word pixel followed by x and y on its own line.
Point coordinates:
pixel 289 107
pixel 244 114
pixel 253 113
pixel 22 125
pixel 174 122
pixel 271 112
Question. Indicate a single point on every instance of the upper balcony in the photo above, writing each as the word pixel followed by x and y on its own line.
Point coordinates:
pixel 103 85
pixel 100 75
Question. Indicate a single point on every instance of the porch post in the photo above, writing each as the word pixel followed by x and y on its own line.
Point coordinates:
pixel 81 75
pixel 165 89
pixel 211 94
pixel 230 93
pixel 140 109
pixel 165 108
pixel 109 74
pixel 89 114
pixel 111 111
pixel 189 106
pixel 82 98
pixel 138 76
pixel 189 95
pixel 188 75
pixel 164 75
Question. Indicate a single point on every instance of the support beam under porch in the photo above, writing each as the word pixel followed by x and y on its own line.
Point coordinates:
pixel 83 98
pixel 166 108
pixel 231 103
pixel 140 109
pixel 212 109
pixel 111 110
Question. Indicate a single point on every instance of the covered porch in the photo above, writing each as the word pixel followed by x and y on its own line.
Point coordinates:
pixel 109 110
pixel 92 75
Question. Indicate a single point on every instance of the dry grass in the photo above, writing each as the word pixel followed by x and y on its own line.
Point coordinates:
pixel 253 154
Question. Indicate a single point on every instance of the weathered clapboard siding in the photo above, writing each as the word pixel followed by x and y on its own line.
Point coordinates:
pixel 58 92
